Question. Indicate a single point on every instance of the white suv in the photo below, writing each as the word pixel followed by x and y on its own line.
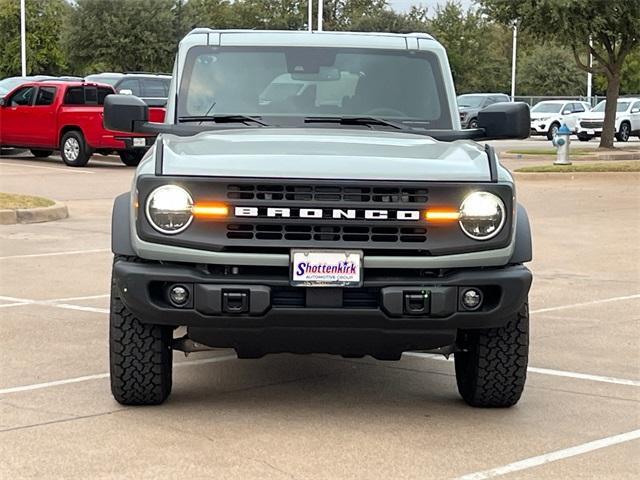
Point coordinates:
pixel 548 116
pixel 627 120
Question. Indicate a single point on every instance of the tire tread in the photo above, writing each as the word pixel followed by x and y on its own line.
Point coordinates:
pixel 140 356
pixel 493 371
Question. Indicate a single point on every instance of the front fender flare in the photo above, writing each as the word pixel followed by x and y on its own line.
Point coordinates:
pixel 523 251
pixel 121 226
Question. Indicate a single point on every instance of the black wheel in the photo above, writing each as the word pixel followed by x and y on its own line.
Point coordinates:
pixel 473 123
pixel 553 130
pixel 74 149
pixel 139 356
pixel 41 153
pixel 492 369
pixel 131 158
pixel 624 133
pixel 583 137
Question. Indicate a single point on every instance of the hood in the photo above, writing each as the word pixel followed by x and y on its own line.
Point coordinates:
pixel 593 116
pixel 323 153
pixel 468 109
pixel 537 115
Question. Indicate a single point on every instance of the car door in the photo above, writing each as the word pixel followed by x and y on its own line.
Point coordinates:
pixel 130 85
pixel 15 125
pixel 154 91
pixel 43 114
pixel 576 110
pixel 635 117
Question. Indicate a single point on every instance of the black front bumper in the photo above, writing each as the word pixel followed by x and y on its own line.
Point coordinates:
pixel 258 313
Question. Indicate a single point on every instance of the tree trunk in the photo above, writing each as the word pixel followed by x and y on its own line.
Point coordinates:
pixel 609 127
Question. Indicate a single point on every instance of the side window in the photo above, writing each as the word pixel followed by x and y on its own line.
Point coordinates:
pixel 154 88
pixel 102 93
pixel 74 96
pixel 23 97
pixel 488 101
pixel 130 84
pixel 90 95
pixel 578 108
pixel 46 95
pixel 636 107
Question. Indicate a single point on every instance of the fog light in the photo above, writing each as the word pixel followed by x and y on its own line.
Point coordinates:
pixel 471 299
pixel 178 295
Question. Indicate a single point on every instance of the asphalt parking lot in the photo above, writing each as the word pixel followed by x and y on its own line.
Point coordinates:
pixel 312 417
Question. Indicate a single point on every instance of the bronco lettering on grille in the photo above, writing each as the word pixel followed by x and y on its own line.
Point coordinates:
pixel 336 213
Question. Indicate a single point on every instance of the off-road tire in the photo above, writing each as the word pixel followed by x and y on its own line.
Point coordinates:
pixel 41 153
pixel 492 369
pixel 139 356
pixel 131 158
pixel 624 133
pixel 553 130
pixel 73 139
pixel 473 123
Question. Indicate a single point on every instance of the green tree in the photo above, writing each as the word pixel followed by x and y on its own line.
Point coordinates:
pixel 612 25
pixel 630 83
pixel 122 35
pixel 466 35
pixel 204 13
pixel 549 70
pixel 45 54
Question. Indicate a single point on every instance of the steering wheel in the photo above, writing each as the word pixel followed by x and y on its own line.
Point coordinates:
pixel 385 112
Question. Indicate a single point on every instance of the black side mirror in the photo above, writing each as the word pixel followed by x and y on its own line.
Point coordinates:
pixel 124 113
pixel 2 102
pixel 505 120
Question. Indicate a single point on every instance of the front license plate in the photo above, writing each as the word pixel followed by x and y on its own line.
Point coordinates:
pixel 326 268
pixel 591 132
pixel 139 142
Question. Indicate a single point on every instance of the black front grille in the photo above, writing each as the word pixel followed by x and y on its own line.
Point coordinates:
pixel 326 233
pixel 295 297
pixel 325 193
pixel 591 124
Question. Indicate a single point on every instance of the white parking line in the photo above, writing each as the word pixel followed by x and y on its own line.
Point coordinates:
pixel 585 376
pixel 547 371
pixel 585 304
pixel 55 254
pixel 553 456
pixel 88 297
pixel 52 303
pixel 98 376
pixel 59 169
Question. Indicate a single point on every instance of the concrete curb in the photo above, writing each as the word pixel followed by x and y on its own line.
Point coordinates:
pixel 57 211
pixel 616 156
pixel 569 176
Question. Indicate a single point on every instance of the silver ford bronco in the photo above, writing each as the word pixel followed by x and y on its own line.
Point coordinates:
pixel 314 193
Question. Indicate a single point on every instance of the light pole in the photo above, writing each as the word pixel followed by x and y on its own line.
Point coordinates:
pixel 310 15
pixel 513 62
pixel 589 75
pixel 320 13
pixel 23 39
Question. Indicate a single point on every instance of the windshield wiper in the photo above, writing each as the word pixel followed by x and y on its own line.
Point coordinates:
pixel 222 118
pixel 357 121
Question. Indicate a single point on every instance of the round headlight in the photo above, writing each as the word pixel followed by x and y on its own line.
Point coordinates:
pixel 482 215
pixel 169 209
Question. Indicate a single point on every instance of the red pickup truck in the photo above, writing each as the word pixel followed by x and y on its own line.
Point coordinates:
pixel 67 116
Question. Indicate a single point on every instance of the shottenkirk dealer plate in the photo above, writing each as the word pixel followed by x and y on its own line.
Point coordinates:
pixel 326 268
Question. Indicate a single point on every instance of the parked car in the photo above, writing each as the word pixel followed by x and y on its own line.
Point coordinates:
pixel 235 227
pixel 151 87
pixel 9 83
pixel 627 120
pixel 548 116
pixel 66 116
pixel 471 103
